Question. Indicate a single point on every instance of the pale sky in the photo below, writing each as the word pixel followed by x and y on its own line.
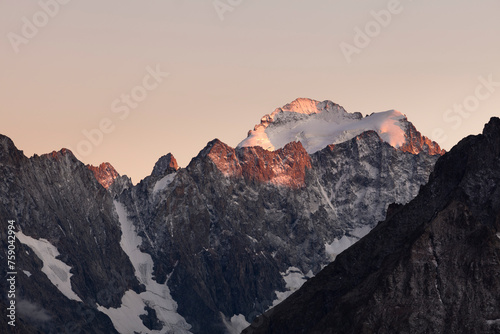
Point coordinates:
pixel 69 68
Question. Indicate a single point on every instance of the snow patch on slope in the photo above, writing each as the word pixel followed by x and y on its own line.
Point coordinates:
pixel 236 324
pixel 294 279
pixel 325 124
pixel 163 183
pixel 57 271
pixel 337 246
pixel 157 296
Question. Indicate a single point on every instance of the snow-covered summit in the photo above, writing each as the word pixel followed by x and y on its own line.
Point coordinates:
pixel 310 106
pixel 318 124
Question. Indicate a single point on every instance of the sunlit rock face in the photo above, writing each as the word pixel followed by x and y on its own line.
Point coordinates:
pixel 105 174
pixel 285 167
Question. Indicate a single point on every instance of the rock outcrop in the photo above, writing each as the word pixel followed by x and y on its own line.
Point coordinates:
pixel 165 165
pixel 105 174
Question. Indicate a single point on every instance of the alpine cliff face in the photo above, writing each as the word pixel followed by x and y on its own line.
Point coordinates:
pixel 431 266
pixel 105 174
pixel 206 248
pixel 61 209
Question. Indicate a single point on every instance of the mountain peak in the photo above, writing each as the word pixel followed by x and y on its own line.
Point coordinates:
pixel 305 106
pixel 58 154
pixel 302 106
pixel 165 165
pixel 105 174
pixel 433 272
pixel 9 152
pixel 284 167
pixel 319 124
pixel 416 143
pixel 492 128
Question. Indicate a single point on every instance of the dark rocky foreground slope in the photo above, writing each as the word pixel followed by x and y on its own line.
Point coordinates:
pixel 433 266
pixel 223 234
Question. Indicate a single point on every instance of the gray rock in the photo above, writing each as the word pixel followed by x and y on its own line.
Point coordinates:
pixel 55 197
pixel 431 267
pixel 228 225
pixel 221 232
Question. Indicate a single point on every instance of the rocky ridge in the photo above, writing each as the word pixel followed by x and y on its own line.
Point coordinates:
pixel 248 215
pixel 317 124
pixel 430 267
pixel 225 234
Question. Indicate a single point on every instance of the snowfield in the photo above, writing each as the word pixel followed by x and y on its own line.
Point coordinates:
pixel 57 271
pixel 126 319
pixel 319 124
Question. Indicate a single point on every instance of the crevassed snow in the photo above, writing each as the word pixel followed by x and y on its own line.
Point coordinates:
pixel 322 127
pixel 294 279
pixel 236 324
pixel 157 296
pixel 163 183
pixel 337 246
pixel 57 271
